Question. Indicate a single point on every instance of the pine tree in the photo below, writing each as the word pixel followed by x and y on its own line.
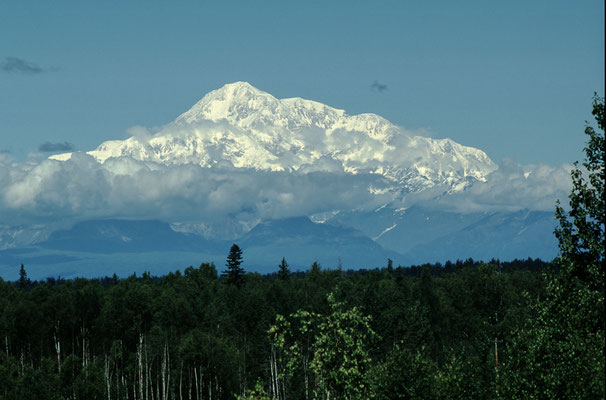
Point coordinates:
pixel 24 282
pixel 283 271
pixel 234 272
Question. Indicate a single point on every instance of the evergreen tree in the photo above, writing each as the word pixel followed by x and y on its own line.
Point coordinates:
pixel 283 271
pixel 24 282
pixel 234 272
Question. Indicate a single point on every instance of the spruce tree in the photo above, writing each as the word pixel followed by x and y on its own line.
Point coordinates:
pixel 283 271
pixel 23 280
pixel 234 272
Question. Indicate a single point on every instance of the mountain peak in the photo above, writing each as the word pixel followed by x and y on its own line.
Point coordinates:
pixel 236 91
pixel 249 128
pixel 232 102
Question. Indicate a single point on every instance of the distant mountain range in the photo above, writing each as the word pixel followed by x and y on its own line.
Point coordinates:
pixel 239 127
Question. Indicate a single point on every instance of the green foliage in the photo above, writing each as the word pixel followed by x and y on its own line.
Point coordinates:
pixel 186 335
pixel 581 232
pixel 560 352
pixel 405 374
pixel 258 393
pixel 332 347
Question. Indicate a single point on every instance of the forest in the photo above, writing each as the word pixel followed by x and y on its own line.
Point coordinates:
pixel 525 329
pixel 192 335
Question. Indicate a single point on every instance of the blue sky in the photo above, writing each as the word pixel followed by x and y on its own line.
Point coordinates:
pixel 514 79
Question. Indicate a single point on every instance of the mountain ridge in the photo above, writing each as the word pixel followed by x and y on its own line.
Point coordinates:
pixel 248 128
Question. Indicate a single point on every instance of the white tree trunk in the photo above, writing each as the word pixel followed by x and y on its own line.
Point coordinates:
pixel 197 386
pixel 140 360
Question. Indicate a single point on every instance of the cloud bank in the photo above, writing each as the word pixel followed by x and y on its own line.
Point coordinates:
pixel 513 187
pixel 81 188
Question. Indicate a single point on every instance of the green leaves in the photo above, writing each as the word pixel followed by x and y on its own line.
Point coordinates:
pixel 560 353
pixel 334 348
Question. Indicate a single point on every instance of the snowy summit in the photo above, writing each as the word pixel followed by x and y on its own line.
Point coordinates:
pixel 241 126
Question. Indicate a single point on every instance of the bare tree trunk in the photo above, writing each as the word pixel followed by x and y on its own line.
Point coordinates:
pixel 210 387
pixel 273 364
pixel 57 346
pixel 168 373
pixel 164 361
pixel 283 391
pixel 22 359
pixel 140 360
pixel 107 378
pixel 118 381
pixel 272 389
pixel 189 384
pixel 149 384
pixel 306 377
pixel 181 381
pixel 83 335
pixel 197 386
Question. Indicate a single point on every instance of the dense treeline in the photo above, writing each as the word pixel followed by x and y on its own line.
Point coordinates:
pixel 193 335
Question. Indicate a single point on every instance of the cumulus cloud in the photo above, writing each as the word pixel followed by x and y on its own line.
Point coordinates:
pixel 21 66
pixel 82 188
pixel 47 191
pixel 513 187
pixel 48 147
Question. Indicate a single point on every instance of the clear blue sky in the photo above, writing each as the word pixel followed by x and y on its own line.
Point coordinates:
pixel 514 78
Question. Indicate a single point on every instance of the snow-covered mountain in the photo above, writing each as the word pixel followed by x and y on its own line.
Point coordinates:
pixel 243 166
pixel 244 127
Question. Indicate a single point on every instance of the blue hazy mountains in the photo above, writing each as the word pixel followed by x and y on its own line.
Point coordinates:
pixel 425 235
pixel 96 248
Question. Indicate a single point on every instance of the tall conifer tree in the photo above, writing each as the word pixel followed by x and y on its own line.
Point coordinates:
pixel 23 280
pixel 235 273
pixel 283 271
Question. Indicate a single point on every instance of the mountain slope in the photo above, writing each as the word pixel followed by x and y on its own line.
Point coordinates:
pixel 113 236
pixel 429 235
pixel 302 242
pixel 501 235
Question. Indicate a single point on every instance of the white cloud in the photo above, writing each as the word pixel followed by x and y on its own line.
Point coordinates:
pixel 513 187
pixel 82 188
